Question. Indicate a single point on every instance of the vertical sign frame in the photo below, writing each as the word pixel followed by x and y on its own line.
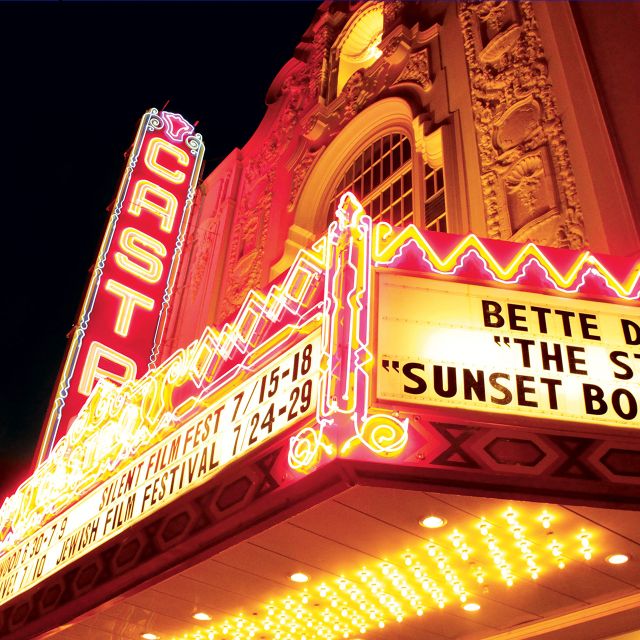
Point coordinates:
pixel 122 318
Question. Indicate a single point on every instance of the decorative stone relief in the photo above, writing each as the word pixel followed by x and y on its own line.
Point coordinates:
pixel 518 125
pixel 204 241
pixel 319 60
pixel 244 255
pixel 530 188
pixel 417 70
pixel 498 28
pixel 389 47
pixel 392 10
pixel 398 63
pixel 300 172
pixel 356 94
pixel 524 180
pixel 526 171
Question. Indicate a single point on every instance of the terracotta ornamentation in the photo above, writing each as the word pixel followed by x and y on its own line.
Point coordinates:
pixel 417 70
pixel 527 177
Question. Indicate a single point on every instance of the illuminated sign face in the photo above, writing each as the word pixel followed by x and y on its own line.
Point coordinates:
pixel 507 352
pixel 370 324
pixel 125 305
pixel 260 408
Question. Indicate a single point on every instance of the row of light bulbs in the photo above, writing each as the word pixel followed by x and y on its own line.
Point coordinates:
pixel 429 577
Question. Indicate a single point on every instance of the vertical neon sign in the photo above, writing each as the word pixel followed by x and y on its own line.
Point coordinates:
pixel 124 311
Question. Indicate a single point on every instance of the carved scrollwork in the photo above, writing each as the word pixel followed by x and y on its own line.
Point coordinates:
pixel 204 239
pixel 524 180
pixel 300 172
pixel 517 121
pixel 392 10
pixel 500 45
pixel 391 46
pixel 518 124
pixel 491 13
pixel 417 70
pixel 244 263
pixel 355 94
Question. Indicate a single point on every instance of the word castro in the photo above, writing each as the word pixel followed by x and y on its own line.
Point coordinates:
pixel 122 317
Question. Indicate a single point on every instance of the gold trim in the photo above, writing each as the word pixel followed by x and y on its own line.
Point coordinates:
pixel 581 616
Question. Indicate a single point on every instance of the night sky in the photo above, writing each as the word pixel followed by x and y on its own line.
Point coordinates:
pixel 75 80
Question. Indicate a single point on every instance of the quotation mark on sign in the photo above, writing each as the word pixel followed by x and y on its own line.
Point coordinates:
pixel 412 377
pixel 500 340
pixel 395 364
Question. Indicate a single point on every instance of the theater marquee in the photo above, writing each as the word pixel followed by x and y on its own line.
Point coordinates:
pixel 253 412
pixel 373 335
pixel 507 352
pixel 446 329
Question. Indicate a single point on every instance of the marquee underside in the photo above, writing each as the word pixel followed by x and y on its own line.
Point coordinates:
pixel 364 527
pixel 315 430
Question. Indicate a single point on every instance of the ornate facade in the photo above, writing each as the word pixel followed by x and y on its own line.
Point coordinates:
pixel 485 93
pixel 497 120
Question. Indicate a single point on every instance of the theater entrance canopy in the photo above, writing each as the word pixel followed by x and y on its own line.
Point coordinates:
pixel 440 433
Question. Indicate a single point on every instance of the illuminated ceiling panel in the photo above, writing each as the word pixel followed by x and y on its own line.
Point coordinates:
pixel 374 572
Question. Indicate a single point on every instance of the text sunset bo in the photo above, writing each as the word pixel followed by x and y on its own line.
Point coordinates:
pixel 508 352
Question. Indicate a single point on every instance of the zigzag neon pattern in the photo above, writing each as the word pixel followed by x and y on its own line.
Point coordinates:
pixel 388 243
pixel 118 423
pixel 354 246
pixel 95 450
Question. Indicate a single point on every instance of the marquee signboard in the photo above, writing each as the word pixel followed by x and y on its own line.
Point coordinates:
pixel 127 299
pixel 446 328
pixel 511 353
pixel 373 333
pixel 232 424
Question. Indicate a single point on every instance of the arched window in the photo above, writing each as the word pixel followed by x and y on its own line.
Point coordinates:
pixel 381 178
pixel 389 184
pixel 384 155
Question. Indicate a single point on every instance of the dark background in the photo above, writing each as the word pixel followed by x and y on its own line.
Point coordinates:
pixel 75 79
